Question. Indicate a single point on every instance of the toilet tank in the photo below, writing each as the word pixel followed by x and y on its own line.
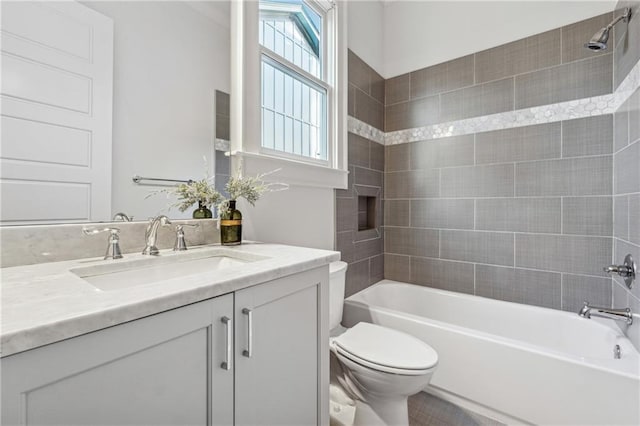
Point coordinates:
pixel 337 278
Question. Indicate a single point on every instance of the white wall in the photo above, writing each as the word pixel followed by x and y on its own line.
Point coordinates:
pixel 299 216
pixel 419 34
pixel 169 58
pixel 364 28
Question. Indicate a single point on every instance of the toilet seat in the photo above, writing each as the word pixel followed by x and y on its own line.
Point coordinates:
pixel 386 350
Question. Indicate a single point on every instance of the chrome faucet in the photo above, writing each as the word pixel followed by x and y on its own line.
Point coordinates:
pixel 615 314
pixel 151 235
pixel 122 216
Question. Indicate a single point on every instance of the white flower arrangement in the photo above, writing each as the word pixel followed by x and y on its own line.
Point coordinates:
pixel 250 188
pixel 203 191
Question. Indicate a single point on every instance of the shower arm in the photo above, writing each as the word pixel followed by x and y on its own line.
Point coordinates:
pixel 626 16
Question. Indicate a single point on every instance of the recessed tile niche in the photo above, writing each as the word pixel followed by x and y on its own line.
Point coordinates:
pixel 369 205
pixel 366 212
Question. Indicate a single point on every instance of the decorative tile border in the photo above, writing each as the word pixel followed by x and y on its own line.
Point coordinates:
pixel 598 105
pixel 544 114
pixel 365 130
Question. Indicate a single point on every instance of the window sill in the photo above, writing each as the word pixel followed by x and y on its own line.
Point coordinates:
pixel 293 172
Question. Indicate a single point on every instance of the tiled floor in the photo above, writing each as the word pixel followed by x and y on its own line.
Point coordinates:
pixel 428 410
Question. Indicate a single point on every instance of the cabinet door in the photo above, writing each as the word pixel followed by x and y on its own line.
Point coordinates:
pixel 159 370
pixel 282 351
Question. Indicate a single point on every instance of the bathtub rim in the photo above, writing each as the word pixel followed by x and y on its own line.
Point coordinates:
pixel 596 363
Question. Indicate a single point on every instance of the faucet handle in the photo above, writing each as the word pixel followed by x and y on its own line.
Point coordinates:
pixel 113 247
pixel 180 244
pixel 628 270
pixel 92 230
pixel 181 225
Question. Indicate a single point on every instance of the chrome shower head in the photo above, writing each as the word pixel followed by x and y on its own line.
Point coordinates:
pixel 600 38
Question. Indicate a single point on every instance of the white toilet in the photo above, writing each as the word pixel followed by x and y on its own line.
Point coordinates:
pixel 381 367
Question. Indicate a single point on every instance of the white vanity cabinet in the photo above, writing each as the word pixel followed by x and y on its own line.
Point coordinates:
pixel 282 351
pixel 186 366
pixel 158 370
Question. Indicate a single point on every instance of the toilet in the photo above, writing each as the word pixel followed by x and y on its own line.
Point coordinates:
pixel 380 367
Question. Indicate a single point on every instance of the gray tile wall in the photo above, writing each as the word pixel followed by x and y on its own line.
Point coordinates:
pixel 362 250
pixel 366 92
pixel 535 210
pixel 545 68
pixel 524 214
pixel 528 214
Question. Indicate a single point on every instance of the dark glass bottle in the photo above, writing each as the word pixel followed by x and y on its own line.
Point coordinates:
pixel 231 226
pixel 202 212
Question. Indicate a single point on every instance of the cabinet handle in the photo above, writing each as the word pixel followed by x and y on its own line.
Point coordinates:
pixel 249 314
pixel 228 322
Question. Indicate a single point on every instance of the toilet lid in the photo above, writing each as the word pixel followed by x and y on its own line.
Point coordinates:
pixel 385 347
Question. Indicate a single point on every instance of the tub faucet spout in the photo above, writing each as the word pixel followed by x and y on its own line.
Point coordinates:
pixel 615 314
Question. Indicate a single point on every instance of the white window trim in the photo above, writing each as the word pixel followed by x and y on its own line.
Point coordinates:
pixel 246 104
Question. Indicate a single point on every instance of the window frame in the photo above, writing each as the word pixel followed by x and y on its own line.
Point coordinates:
pixel 246 106
pixel 323 82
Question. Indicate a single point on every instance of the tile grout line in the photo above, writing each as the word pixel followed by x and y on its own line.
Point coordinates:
pixel 505 197
pixel 502 232
pixel 495 265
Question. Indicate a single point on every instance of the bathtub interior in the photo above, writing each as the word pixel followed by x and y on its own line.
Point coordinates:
pixel 539 329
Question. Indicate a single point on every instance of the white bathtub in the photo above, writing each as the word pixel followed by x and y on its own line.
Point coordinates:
pixel 513 362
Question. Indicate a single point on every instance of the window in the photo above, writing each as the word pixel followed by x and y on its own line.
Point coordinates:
pixel 294 79
pixel 289 90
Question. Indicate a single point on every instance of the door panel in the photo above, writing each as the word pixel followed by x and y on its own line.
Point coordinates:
pixel 56 99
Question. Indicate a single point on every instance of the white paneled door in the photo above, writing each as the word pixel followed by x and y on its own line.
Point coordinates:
pixel 56 99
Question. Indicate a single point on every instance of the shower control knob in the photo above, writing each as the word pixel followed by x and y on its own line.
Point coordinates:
pixel 627 270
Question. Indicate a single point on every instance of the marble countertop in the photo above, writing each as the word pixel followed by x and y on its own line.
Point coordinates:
pixel 46 303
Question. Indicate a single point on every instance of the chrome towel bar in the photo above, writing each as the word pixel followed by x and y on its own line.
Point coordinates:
pixel 138 179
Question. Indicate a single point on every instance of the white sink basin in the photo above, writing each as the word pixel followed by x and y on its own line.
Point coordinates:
pixel 125 273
